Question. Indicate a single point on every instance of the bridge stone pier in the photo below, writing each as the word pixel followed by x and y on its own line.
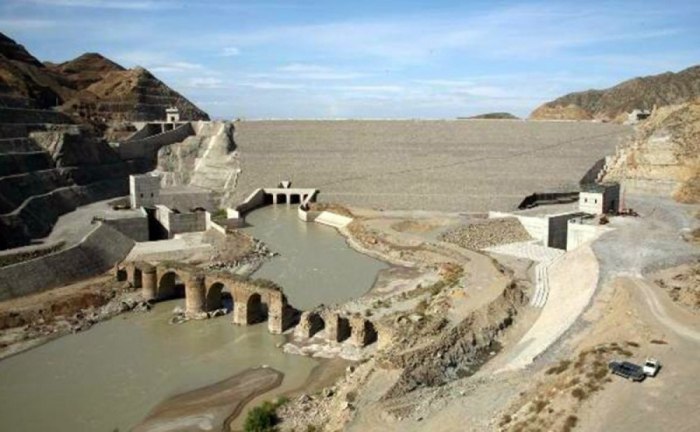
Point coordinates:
pixel 310 323
pixel 363 332
pixel 254 301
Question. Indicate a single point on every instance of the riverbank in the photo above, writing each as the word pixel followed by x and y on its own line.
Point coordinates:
pixel 211 407
pixel 222 406
pixel 30 321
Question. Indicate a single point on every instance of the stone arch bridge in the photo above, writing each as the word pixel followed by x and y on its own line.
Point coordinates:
pixel 254 301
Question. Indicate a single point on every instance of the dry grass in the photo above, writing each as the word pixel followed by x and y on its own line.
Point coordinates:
pixel 554 401
pixel 331 207
pixel 412 226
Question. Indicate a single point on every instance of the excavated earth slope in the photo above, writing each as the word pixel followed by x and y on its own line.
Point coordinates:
pixel 664 156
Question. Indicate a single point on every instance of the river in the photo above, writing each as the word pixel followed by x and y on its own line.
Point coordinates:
pixel 109 377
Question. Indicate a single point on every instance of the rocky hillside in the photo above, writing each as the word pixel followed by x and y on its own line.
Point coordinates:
pixel 614 103
pixel 494 116
pixel 91 87
pixel 664 156
pixel 55 124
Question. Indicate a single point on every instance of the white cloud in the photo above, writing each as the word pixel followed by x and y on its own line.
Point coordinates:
pixel 522 31
pixel 206 83
pixel 312 72
pixel 230 52
pixel 176 66
pixel 371 88
pixel 269 85
pixel 110 4
pixel 20 24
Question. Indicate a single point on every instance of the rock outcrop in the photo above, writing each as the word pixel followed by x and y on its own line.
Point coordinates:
pixel 614 103
pixel 664 156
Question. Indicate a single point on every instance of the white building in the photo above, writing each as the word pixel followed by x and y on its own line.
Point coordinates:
pixel 600 198
pixel 172 115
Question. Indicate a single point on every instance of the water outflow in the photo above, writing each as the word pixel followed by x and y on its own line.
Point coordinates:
pixel 111 376
pixel 315 265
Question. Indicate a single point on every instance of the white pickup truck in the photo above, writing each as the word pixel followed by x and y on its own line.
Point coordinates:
pixel 651 367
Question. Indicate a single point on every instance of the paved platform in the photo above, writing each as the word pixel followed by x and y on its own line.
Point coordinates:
pixel 573 280
pixel 542 255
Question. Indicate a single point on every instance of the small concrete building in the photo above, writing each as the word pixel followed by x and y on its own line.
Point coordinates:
pixel 144 190
pixel 172 115
pixel 600 198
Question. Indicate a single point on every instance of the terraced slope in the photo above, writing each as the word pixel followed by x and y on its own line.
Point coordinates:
pixel 48 167
pixel 91 87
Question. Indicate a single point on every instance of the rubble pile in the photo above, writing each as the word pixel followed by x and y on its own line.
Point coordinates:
pixel 492 232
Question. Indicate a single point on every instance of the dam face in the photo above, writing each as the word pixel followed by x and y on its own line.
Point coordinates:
pixel 460 165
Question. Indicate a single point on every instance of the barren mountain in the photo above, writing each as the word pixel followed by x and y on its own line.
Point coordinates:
pixel 91 86
pixel 613 103
pixel 494 116
pixel 664 156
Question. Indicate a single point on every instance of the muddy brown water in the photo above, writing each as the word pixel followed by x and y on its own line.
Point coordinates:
pixel 110 377
pixel 315 265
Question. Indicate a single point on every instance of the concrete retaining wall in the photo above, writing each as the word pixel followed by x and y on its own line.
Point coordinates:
pixel 557 229
pixel 145 131
pixel 98 252
pixel 578 233
pixel 24 116
pixel 534 225
pixel 18 145
pixel 17 163
pixel 148 147
pixel 332 219
pixel 135 227
pixel 37 215
pixel 176 223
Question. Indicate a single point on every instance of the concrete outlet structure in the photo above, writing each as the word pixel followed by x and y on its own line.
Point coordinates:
pixel 144 190
pixel 600 198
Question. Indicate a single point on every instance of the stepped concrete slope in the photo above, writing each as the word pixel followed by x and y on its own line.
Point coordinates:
pixel 206 160
pixel 468 165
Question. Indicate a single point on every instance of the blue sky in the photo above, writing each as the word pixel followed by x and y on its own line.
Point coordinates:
pixel 367 59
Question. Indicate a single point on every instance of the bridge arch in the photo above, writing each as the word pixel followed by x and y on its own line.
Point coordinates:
pixel 171 284
pixel 218 295
pixel 256 310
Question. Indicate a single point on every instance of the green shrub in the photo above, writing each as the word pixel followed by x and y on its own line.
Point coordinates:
pixel 261 418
